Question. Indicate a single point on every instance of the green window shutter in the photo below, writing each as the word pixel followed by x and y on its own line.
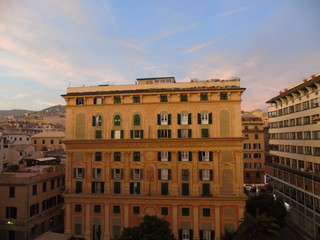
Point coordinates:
pixel 190 156
pixel 211 175
pixel 158 119
pixel 84 172
pixel 212 234
pixel 131 188
pixel 122 134
pixel 93 121
pixel 159 156
pixel 179 119
pixel 102 187
pixel 200 174
pixel 201 234
pixel 199 118
pixel 169 156
pixel 159 174
pixel 141 133
pixel 158 133
pixel 199 156
pixel 189 118
pixel 131 133
pixel 179 133
pixel 210 156
pixel 179 156
pixel 180 234
pixel 169 133
pixel 210 118
pixel 191 234
pixel 169 119
pixel 112 134
pixel 74 172
pixel 189 133
pixel 169 174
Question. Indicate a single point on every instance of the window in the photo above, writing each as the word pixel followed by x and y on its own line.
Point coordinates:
pixel 164 119
pixel 77 229
pixel 306 120
pixel 96 232
pixel 205 118
pixel 305 105
pixel 185 189
pixel 185 174
pixel 204 132
pixel 223 96
pixel 97 173
pixel 164 156
pixel 247 155
pixel 136 99
pixel 206 212
pixel 247 165
pixel 116 209
pixel 163 98
pixel 117 134
pixel 136 156
pixel 164 189
pixel 97 121
pixel 206 189
pixel 185 156
pixel 183 97
pixel 164 133
pixel 117 173
pixel 185 212
pixel 206 174
pixel 98 134
pixel 184 119
pixel 116 100
pixel 184 133
pixel 256 146
pixel 34 189
pixel 136 210
pixel 44 187
pixel 11 235
pixel 52 184
pixel 316 135
pixel 11 212
pixel 78 187
pixel 117 120
pixel 164 174
pixel 136 134
pixel 117 156
pixel 79 101
pixel 205 156
pixel 165 211
pixel 185 234
pixel 97 100
pixel 206 234
pixel 97 208
pixel 257 155
pixel 257 165
pixel 204 97
pixel 314 103
pixel 117 187
pixel 246 146
pixel 134 188
pixel 136 120
pixel 256 136
pixel 97 187
pixel 308 151
pixel 78 172
pixel 43 141
pixel 298 107
pixel 12 192
pixel 98 156
pixel 307 135
pixel 136 174
pixel 51 141
pixel 34 141
pixel 77 207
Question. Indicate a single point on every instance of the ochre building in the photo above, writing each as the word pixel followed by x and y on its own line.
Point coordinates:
pixel 156 147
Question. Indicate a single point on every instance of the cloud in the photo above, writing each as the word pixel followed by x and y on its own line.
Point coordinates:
pixel 235 11
pixel 215 40
pixel 20 95
pixel 130 45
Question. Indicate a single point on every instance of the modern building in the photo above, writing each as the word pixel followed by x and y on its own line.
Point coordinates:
pixel 253 150
pixel 293 167
pixel 49 141
pixel 31 202
pixel 157 147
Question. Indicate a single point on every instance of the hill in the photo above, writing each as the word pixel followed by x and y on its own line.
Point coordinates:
pixel 12 112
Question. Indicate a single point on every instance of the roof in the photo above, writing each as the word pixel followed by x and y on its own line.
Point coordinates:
pixel 22 147
pixel 54 236
pixel 302 85
pixel 49 134
pixel 45 159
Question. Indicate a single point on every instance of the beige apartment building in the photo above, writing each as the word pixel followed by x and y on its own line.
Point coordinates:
pixel 253 150
pixel 49 141
pixel 154 148
pixel 31 203
pixel 294 165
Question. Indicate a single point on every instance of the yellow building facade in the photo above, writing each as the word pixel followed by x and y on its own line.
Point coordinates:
pixel 159 148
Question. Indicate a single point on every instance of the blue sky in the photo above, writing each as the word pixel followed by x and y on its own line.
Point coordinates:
pixel 46 46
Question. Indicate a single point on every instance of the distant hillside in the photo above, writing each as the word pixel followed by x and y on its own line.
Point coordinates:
pixel 55 110
pixel 12 112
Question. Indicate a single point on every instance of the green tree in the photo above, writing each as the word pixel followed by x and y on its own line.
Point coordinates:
pixel 152 227
pixel 228 234
pixel 258 227
pixel 268 205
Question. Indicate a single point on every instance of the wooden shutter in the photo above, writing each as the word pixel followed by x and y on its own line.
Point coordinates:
pixel 169 119
pixel 169 156
pixel 199 118
pixel 179 119
pixel 210 118
pixel 158 119
pixel 190 156
pixel 210 156
pixel 189 118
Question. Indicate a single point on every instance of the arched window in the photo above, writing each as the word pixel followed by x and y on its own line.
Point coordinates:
pixel 136 120
pixel 97 120
pixel 117 120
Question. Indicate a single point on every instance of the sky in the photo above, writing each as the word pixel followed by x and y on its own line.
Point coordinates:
pixel 48 46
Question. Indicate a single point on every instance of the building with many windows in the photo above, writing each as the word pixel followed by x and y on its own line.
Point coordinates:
pixel 253 150
pixel 154 148
pixel 31 202
pixel 293 167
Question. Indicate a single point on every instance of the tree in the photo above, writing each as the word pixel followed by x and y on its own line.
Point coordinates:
pixel 228 234
pixel 152 227
pixel 268 205
pixel 13 168
pixel 258 227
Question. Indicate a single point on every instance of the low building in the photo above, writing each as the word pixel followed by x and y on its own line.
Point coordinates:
pixel 31 202
pixel 49 141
